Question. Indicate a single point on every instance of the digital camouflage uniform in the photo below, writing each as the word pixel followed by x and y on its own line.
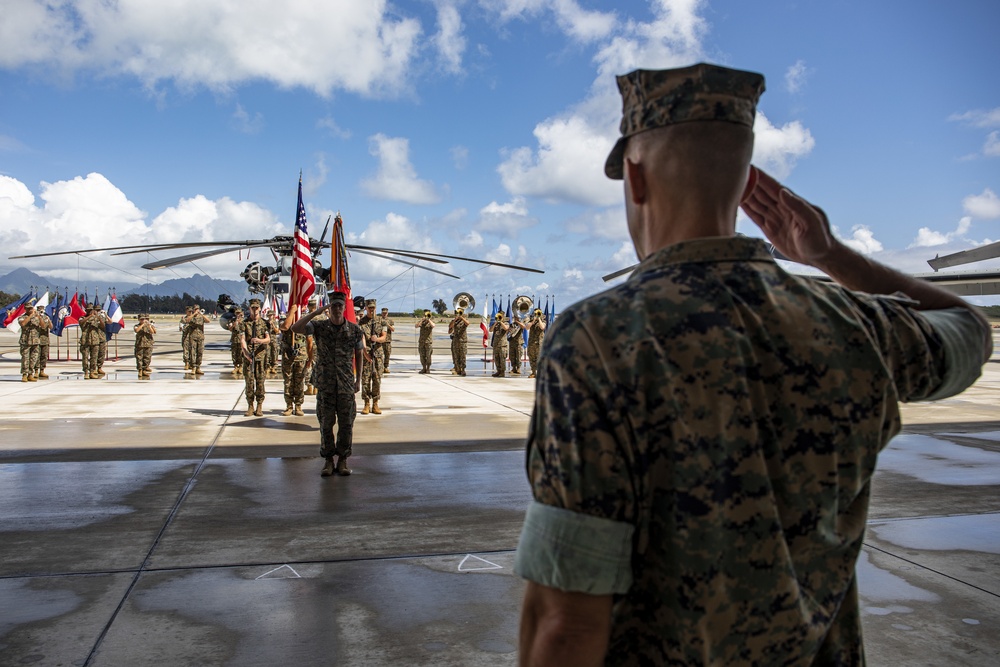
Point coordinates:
pixel 235 332
pixel 515 343
pixel 272 347
pixel 29 340
pixel 91 333
pixel 387 345
pixel 255 369
pixel 371 377
pixel 711 427
pixel 293 368
pixel 185 332
pixel 498 339
pixel 536 334
pixel 194 339
pixel 335 380
pixel 310 364
pixel 459 344
pixel 102 340
pixel 143 346
pixel 43 345
pixel 425 343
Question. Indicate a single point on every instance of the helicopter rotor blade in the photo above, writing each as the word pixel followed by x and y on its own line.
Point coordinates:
pixel 429 256
pixel 392 251
pixel 402 261
pixel 173 261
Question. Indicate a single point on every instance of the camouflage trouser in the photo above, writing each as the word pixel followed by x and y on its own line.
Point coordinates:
pixel 371 377
pixel 310 375
pixel 386 351
pixel 194 347
pixel 458 350
pixel 500 360
pixel 29 359
pixel 43 357
pixel 102 354
pixel 294 373
pixel 335 409
pixel 186 350
pixel 426 350
pixel 272 352
pixel 533 351
pixel 236 352
pixel 254 373
pixel 516 351
pixel 88 353
pixel 143 355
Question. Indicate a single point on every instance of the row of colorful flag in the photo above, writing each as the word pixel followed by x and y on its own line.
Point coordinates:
pixel 64 311
pixel 490 313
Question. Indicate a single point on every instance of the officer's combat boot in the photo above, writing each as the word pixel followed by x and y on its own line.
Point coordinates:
pixel 298 411
pixel 287 412
pixel 342 468
pixel 42 375
pixel 24 378
pixel 365 410
pixel 328 468
pixel 249 412
pixel 198 371
pixel 260 409
pixel 375 410
pixel 32 378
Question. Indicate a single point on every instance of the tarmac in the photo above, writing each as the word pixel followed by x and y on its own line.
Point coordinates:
pixel 149 522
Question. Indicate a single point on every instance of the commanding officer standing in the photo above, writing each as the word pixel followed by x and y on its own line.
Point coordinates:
pixel 43 345
pixel 91 333
pixel 536 334
pixel 294 357
pixel 515 338
pixel 144 331
pixel 339 354
pixel 705 434
pixel 31 327
pixel 499 342
pixel 390 326
pixel 195 331
pixel 373 328
pixel 235 333
pixel 425 343
pixel 254 341
pixel 459 344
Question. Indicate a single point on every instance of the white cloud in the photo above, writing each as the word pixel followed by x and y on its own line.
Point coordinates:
pixel 863 240
pixel 460 156
pixel 795 77
pixel 362 47
pixel 984 206
pixel 577 23
pixel 247 123
pixel 396 179
pixel 472 240
pixel 505 219
pixel 978 117
pixel 449 41
pixel 573 275
pixel 777 149
pixel 605 224
pixel 330 125
pixel 992 146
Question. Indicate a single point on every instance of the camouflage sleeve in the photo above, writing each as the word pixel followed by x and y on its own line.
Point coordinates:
pixel 963 338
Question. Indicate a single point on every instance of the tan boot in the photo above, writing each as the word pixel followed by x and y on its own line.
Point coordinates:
pixel 365 410
pixel 249 412
pixel 198 371
pixel 328 468
pixel 260 409
pixel 298 411
pixel 187 368
pixel 532 375
pixel 375 410
pixel 342 468
pixel 287 412
pixel 42 375
pixel 24 378
pixel 32 377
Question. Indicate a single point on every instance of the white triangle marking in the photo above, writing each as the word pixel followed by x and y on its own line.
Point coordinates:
pixel 284 575
pixel 490 566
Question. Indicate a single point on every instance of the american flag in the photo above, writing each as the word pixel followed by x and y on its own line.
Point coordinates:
pixel 303 279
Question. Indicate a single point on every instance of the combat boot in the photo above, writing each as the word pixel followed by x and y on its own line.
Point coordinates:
pixel 94 375
pixel 375 410
pixel 365 410
pixel 260 409
pixel 32 378
pixel 328 468
pixel 187 368
pixel 198 371
pixel 24 378
pixel 42 375
pixel 342 468
pixel 532 375
pixel 100 373
pixel 249 412
pixel 287 412
pixel 385 372
pixel 298 411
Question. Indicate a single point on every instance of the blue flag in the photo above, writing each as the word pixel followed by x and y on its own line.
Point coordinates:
pixel 61 311
pixel 12 311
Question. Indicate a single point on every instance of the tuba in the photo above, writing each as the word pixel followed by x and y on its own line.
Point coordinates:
pixel 522 306
pixel 463 300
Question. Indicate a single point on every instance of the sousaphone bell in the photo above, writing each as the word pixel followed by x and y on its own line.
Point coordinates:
pixel 463 300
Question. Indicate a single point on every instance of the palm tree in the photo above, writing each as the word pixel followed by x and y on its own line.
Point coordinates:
pixel 439 306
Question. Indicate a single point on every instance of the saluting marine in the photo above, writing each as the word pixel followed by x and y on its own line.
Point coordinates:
pixel 459 344
pixel 425 343
pixel 536 334
pixel 498 340
pixel 144 331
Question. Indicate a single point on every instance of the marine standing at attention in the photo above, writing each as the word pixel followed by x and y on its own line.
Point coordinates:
pixel 43 345
pixel 459 344
pixel 31 326
pixel 373 328
pixel 536 334
pixel 339 357
pixel 91 333
pixel 235 332
pixel 515 344
pixel 390 326
pixel 425 341
pixel 498 339
pixel 144 332
pixel 293 366
pixel 102 341
pixel 194 325
pixel 705 434
pixel 185 333
pixel 255 339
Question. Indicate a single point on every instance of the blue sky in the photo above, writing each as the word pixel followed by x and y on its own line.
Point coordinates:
pixel 470 127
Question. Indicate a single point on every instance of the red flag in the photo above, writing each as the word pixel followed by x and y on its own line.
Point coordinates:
pixel 338 267
pixel 76 311
pixel 303 279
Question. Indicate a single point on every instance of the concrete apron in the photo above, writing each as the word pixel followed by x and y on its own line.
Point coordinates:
pixel 149 522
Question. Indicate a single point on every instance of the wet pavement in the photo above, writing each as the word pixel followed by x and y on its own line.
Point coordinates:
pixel 149 522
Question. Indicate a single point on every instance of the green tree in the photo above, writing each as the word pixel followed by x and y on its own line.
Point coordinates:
pixel 439 306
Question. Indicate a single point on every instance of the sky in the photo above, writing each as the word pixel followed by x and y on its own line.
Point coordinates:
pixel 470 127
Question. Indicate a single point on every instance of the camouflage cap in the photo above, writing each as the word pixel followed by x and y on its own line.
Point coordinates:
pixel 340 297
pixel 30 303
pixel 657 98
pixel 370 303
pixel 254 302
